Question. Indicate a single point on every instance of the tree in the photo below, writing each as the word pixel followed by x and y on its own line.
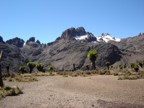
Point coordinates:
pixel 40 67
pixel 31 66
pixel 1 80
pixel 92 55
pixel 22 69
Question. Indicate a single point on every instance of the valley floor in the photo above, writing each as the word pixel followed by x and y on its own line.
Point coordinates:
pixel 97 91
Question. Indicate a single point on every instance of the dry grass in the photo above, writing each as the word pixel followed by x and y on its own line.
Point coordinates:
pixel 21 78
pixel 77 73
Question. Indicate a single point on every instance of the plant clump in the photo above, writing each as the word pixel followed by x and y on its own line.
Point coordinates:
pixel 22 69
pixel 9 91
pixel 51 68
pixel 40 67
pixel 31 66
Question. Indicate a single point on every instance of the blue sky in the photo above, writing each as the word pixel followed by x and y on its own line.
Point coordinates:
pixel 47 19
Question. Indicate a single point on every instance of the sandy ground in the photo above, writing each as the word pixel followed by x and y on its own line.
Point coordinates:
pixel 77 92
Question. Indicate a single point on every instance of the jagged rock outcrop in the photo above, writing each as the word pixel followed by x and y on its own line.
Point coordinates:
pixel 31 39
pixel 72 32
pixel 16 41
pixel 1 39
pixel 80 31
pixel 32 51
pixel 12 57
pixel 90 38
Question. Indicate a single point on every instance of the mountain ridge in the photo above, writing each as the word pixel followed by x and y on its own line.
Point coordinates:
pixel 66 50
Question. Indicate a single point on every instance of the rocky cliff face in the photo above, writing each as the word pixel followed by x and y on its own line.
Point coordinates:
pixel 71 48
pixel 16 41
pixel 1 40
pixel 12 57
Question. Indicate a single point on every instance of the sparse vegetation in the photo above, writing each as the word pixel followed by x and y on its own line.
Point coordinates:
pixel 31 66
pixel 9 91
pixel 135 66
pixel 51 68
pixel 40 67
pixel 130 76
pixel 108 65
pixel 21 78
pixel 40 74
pixel 22 69
pixel 92 55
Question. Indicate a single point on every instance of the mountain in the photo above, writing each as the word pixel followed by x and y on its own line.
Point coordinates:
pixel 81 34
pixel 71 48
pixel 105 37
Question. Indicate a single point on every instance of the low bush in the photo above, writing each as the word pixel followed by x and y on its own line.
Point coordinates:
pixel 10 91
pixel 40 67
pixel 51 68
pixel 22 69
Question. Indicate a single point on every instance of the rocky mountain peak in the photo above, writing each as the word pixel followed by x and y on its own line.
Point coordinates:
pixel 73 32
pixel 80 31
pixel 16 41
pixel 31 39
pixel 1 39
pixel 106 37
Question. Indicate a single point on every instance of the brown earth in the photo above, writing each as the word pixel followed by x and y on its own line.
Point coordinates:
pixel 77 92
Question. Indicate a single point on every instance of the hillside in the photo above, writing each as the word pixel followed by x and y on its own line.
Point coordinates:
pixel 72 48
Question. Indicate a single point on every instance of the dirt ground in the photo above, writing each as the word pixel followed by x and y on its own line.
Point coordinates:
pixel 77 92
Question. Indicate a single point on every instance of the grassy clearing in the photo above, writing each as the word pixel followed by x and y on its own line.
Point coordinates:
pixel 10 91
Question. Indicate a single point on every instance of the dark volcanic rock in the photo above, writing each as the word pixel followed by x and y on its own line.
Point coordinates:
pixel 69 33
pixel 32 51
pixel 108 53
pixel 91 37
pixel 16 41
pixel 12 57
pixel 31 39
pixel 80 31
pixel 1 39
pixel 38 42
pixel 72 32
pixel 132 49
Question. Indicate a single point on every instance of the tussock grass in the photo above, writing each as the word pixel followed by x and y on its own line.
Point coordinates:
pixel 40 74
pixel 9 91
pixel 21 78
pixel 76 73
pixel 131 76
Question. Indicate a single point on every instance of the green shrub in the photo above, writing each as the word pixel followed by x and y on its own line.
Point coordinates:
pixel 40 67
pixel 31 66
pixel 51 68
pixel 22 69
